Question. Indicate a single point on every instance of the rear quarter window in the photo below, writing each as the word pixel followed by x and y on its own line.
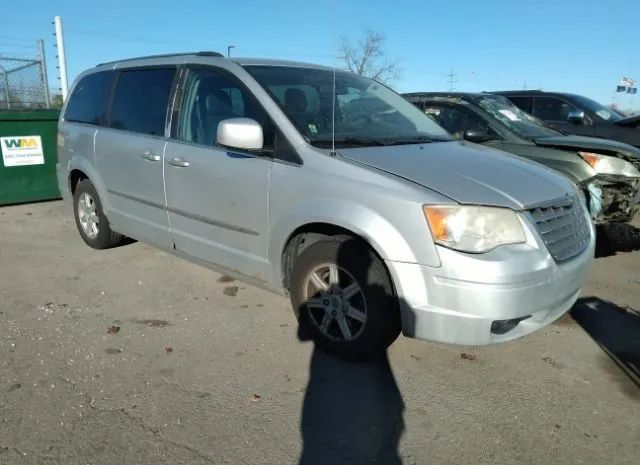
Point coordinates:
pixel 141 99
pixel 88 102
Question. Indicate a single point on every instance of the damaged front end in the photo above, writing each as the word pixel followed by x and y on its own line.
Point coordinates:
pixel 613 198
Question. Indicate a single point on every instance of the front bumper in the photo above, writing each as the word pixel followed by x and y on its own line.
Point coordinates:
pixel 458 302
pixel 618 199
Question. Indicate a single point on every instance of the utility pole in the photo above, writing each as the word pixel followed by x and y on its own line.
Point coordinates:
pixel 43 69
pixel 62 59
pixel 452 80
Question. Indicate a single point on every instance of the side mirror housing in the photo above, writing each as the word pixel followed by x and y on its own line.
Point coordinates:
pixel 240 133
pixel 477 136
pixel 576 117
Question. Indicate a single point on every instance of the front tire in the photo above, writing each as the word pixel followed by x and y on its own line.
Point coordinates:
pixel 343 295
pixel 91 221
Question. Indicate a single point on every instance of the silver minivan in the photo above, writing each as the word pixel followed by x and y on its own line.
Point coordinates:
pixel 325 186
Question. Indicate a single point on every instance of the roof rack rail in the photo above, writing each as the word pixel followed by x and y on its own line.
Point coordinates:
pixel 166 55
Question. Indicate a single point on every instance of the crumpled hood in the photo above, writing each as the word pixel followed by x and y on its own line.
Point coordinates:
pixel 467 173
pixel 631 121
pixel 589 143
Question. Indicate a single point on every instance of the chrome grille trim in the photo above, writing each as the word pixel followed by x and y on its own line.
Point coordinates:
pixel 564 227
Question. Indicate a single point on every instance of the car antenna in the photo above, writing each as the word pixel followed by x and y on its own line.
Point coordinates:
pixel 333 94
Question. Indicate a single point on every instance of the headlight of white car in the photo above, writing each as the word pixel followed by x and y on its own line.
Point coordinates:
pixel 473 229
pixel 606 164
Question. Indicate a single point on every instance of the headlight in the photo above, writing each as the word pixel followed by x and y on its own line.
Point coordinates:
pixel 472 228
pixel 605 164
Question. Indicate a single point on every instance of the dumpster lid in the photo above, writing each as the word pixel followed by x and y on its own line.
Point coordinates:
pixel 29 115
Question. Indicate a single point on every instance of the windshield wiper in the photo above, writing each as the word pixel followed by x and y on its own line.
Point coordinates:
pixel 364 141
pixel 417 140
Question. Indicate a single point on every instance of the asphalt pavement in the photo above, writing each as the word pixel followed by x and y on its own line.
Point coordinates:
pixel 133 356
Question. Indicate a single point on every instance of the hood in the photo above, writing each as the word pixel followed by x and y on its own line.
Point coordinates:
pixel 467 173
pixel 590 143
pixel 631 121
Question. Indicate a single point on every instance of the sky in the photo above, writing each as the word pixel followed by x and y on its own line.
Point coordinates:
pixel 579 46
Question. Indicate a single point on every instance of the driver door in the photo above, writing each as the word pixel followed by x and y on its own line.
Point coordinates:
pixel 217 198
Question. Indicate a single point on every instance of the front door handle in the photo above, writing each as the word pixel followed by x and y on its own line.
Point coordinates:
pixel 181 162
pixel 150 156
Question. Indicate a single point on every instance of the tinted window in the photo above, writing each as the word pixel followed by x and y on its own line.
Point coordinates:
pixel 87 104
pixel 524 103
pixel 457 120
pixel 141 99
pixel 552 109
pixel 210 97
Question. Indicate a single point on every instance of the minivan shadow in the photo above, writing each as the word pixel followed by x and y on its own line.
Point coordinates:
pixel 352 412
pixel 617 238
pixel 615 329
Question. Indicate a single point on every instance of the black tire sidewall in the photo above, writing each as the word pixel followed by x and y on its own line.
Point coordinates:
pixel 383 318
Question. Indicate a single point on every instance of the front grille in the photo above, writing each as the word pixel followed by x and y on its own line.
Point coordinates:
pixel 564 228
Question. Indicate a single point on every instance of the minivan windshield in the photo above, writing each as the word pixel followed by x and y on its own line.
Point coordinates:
pixel 603 112
pixel 522 124
pixel 366 112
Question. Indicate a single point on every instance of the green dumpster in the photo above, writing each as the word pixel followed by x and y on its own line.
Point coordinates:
pixel 28 158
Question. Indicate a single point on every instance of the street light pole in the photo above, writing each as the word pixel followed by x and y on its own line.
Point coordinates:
pixel 229 47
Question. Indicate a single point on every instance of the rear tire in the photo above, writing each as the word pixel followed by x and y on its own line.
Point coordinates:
pixel 344 299
pixel 91 221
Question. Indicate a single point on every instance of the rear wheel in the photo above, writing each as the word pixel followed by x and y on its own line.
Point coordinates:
pixel 90 219
pixel 344 299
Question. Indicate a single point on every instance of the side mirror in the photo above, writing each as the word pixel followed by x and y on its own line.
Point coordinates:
pixel 576 117
pixel 240 133
pixel 477 136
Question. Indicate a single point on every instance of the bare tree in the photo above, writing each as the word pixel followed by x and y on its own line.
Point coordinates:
pixel 369 58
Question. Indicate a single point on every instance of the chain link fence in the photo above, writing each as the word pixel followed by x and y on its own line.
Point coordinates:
pixel 23 81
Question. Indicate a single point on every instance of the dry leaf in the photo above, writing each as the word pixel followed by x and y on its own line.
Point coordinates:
pixel 113 330
pixel 467 356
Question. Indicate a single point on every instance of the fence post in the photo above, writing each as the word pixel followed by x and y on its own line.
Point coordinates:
pixel 43 67
pixel 62 59
pixel 6 86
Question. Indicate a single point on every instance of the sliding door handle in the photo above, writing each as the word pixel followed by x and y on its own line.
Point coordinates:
pixel 150 156
pixel 180 162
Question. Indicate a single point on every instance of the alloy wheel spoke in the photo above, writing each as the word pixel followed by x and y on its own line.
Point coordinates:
pixel 318 282
pixel 351 290
pixel 334 276
pixel 326 321
pixel 356 314
pixel 344 328
pixel 315 302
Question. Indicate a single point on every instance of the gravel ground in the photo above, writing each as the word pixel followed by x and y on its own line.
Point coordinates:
pixel 132 356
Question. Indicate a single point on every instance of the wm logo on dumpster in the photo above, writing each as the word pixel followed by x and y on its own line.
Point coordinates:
pixel 21 150
pixel 21 142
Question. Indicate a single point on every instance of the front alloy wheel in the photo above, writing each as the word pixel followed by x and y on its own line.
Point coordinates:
pixel 344 299
pixel 335 302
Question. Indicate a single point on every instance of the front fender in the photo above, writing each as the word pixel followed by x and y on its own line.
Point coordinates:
pixel 381 234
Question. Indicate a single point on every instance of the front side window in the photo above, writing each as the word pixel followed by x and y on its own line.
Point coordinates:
pixel 552 109
pixel 366 112
pixel 88 101
pixel 600 110
pixel 209 98
pixel 141 99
